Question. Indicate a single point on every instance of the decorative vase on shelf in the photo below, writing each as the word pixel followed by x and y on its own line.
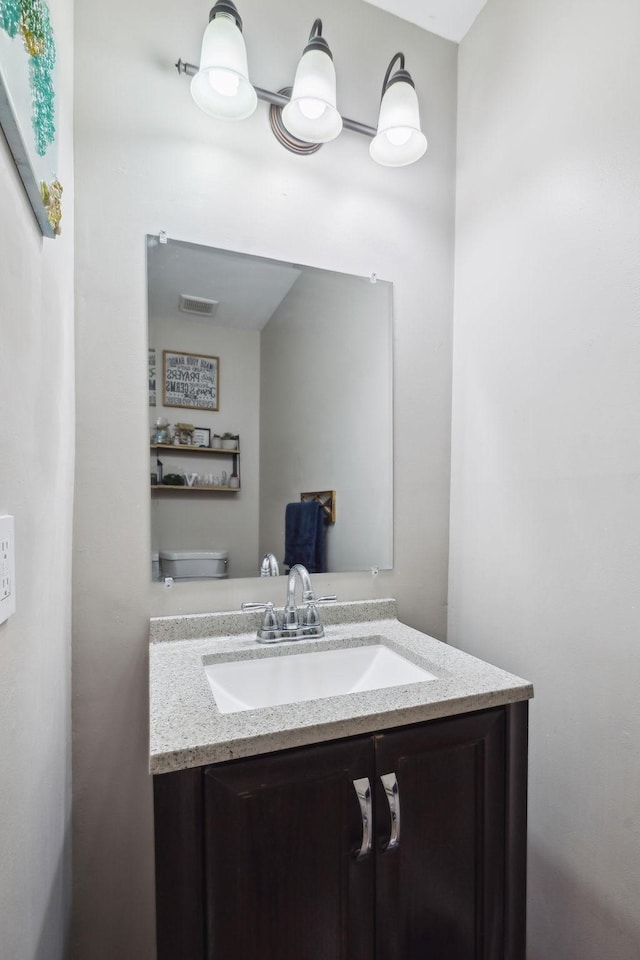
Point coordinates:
pixel 162 433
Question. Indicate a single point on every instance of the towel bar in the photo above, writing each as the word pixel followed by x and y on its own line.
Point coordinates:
pixel 328 500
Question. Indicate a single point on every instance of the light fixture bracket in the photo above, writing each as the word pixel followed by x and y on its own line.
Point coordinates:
pixel 228 7
pixel 282 135
pixel 400 76
pixel 317 41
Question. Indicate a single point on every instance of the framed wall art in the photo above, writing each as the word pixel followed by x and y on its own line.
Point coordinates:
pixel 28 108
pixel 191 380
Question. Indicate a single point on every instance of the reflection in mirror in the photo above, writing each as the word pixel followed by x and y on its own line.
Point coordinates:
pixel 294 365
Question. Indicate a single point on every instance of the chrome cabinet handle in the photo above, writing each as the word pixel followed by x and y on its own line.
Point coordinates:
pixel 363 793
pixel 390 784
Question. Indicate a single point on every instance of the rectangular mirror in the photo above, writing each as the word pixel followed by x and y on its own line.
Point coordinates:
pixel 294 365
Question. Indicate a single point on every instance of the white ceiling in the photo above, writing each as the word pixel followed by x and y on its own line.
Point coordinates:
pixel 448 18
pixel 248 289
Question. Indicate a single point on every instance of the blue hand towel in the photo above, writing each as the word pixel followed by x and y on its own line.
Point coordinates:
pixel 304 536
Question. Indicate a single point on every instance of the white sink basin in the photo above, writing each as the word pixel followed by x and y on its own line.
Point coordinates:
pixel 291 678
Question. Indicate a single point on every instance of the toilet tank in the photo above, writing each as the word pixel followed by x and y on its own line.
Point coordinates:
pixel 195 564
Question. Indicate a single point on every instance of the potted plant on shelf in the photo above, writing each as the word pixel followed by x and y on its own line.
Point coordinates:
pixel 230 441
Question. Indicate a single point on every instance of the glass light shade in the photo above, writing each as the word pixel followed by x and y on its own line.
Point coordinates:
pixel 221 86
pixel 311 113
pixel 399 140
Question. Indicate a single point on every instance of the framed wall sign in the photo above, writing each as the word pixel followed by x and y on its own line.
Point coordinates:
pixel 28 109
pixel 190 380
pixel 202 437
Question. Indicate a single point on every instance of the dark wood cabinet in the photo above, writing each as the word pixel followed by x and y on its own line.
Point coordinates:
pixel 282 883
pixel 440 891
pixel 267 859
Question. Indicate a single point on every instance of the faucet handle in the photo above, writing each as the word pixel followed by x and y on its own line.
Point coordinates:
pixel 270 629
pixel 311 617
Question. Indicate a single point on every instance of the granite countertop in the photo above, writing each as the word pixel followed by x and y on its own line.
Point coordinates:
pixel 187 729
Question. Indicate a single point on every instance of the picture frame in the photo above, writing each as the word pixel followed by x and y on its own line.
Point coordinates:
pixel 190 380
pixel 29 107
pixel 202 437
pixel 152 376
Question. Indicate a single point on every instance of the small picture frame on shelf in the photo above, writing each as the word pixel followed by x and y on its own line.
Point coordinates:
pixel 201 437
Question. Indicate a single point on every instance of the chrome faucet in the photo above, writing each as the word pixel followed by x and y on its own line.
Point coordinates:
pixel 290 616
pixel 290 627
pixel 269 566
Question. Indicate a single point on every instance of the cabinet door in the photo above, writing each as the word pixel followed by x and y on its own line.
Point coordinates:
pixel 282 876
pixel 440 890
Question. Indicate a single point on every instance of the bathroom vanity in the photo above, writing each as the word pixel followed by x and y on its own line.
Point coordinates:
pixel 386 823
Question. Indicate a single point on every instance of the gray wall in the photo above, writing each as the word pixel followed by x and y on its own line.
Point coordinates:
pixel 36 486
pixel 147 159
pixel 326 415
pixel 545 563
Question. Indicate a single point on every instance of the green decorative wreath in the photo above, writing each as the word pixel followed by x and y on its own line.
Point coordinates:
pixel 31 19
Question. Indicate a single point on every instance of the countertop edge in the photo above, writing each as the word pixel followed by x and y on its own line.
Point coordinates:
pixel 245 747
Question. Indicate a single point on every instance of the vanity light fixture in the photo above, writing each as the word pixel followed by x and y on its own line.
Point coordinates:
pixel 305 117
pixel 311 114
pixel 221 86
pixel 399 140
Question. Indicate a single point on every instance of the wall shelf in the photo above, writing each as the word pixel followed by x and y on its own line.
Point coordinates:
pixel 190 450
pixel 183 448
pixel 170 488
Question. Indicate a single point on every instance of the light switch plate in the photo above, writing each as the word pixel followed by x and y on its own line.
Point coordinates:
pixel 7 569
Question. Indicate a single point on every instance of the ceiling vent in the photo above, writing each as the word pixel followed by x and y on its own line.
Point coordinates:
pixel 198 306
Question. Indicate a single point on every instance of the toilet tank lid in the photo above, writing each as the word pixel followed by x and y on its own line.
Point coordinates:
pixel 194 554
